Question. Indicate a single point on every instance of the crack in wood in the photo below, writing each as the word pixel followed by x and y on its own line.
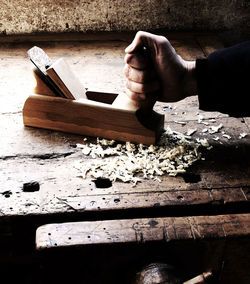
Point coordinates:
pixel 46 156
pixel 243 193
pixel 11 112
pixel 65 201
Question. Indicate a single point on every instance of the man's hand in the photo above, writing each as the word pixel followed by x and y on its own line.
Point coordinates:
pixel 154 69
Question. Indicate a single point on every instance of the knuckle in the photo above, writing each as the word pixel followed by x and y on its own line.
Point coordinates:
pixel 139 34
pixel 128 58
pixel 126 70
pixel 162 41
pixel 127 84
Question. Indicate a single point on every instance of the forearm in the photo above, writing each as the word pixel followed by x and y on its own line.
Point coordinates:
pixel 223 80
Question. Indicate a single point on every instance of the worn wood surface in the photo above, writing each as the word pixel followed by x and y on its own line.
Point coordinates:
pixel 217 185
pixel 142 230
pixel 48 157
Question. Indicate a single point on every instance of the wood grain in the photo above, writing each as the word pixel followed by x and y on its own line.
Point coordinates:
pixel 91 118
pixel 142 230
pixel 41 87
pixel 65 79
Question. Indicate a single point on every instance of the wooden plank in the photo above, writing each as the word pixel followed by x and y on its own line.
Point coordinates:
pixel 54 171
pixel 51 162
pixel 142 230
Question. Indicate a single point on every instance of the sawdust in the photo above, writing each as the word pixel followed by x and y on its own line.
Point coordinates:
pixel 130 162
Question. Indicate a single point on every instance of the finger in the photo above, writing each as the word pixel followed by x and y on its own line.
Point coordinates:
pixel 143 88
pixel 137 75
pixel 137 60
pixel 140 40
pixel 151 42
pixel 135 97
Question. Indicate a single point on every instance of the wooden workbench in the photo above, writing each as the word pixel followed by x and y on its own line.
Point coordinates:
pixel 217 187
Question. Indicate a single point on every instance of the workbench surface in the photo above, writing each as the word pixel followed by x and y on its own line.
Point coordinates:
pixel 219 184
pixel 48 157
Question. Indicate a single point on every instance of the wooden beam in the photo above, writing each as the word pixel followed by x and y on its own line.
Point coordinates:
pixel 142 230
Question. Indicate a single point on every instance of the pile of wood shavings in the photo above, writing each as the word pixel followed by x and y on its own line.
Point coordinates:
pixel 130 162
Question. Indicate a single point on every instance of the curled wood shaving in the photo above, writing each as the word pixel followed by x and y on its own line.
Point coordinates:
pixel 226 136
pixel 180 122
pixel 191 131
pixel 130 162
pixel 242 135
pixel 215 129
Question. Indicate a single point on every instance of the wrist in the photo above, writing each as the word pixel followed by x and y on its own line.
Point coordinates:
pixel 189 80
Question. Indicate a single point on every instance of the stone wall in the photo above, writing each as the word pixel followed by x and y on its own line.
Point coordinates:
pixel 32 16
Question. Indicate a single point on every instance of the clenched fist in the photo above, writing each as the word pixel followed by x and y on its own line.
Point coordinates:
pixel 154 69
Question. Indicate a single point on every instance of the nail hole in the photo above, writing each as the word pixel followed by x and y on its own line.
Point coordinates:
pixel 117 200
pixel 191 178
pixel 180 197
pixel 7 193
pixel 31 186
pixel 167 108
pixel 103 183
pixel 88 237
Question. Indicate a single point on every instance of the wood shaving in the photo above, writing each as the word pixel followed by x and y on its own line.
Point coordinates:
pixel 226 136
pixel 130 162
pixel 215 129
pixel 216 138
pixel 180 122
pixel 200 118
pixel 204 122
pixel 203 142
pixel 212 120
pixel 191 131
pixel 242 135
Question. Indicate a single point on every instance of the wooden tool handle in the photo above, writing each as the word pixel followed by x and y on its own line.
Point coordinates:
pixel 122 101
pixel 200 279
pixel 147 105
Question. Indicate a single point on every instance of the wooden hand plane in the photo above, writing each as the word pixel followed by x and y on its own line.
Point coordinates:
pixel 90 113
